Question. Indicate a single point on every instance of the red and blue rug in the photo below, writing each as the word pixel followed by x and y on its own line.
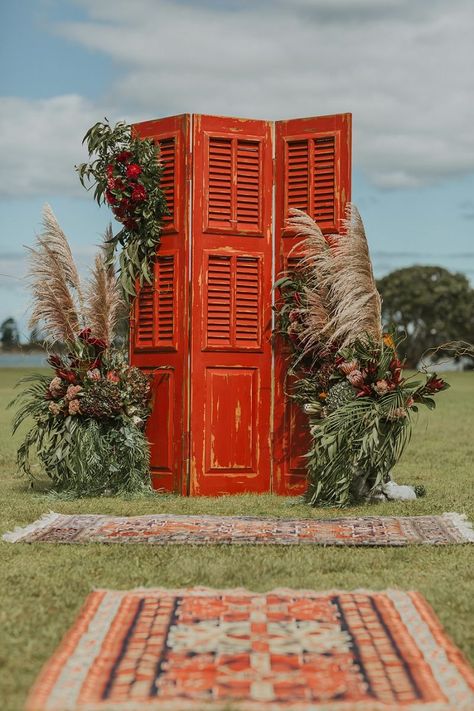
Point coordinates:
pixel 285 650
pixel 161 529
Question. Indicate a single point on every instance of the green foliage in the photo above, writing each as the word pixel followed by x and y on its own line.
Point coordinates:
pixel 99 450
pixel 430 305
pixel 360 404
pixel 361 437
pixel 137 201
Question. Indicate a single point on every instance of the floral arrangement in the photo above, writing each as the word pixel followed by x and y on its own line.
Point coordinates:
pixel 125 171
pixel 346 373
pixel 89 414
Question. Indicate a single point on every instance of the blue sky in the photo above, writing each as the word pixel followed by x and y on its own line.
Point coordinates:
pixel 403 67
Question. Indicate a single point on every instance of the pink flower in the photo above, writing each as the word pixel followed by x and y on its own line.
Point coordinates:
pixel 54 408
pixel 349 366
pixel 74 407
pixel 72 391
pixel 356 378
pixel 56 387
pixel 381 387
pixel 410 402
pixel 93 374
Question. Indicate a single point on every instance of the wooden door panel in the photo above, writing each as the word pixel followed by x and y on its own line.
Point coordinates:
pixel 231 306
pixel 312 173
pixel 159 337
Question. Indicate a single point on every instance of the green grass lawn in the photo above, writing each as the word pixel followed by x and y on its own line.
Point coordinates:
pixel 43 586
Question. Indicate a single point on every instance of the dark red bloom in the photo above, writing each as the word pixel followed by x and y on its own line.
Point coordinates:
pixel 54 361
pixel 119 184
pixel 139 193
pixel 435 384
pixel 86 336
pixel 123 156
pixel 110 170
pixel 133 170
pixel 110 197
pixel 66 375
pixel 364 390
pixel 130 223
pixel 120 212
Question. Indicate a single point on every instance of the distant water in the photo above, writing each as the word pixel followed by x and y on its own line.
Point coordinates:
pixel 23 360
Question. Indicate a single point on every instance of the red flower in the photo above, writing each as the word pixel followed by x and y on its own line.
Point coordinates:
pixel 86 336
pixel 133 170
pixel 66 375
pixel 435 384
pixel 139 194
pixel 123 156
pixel 110 197
pixel 54 361
pixel 119 184
pixel 113 377
pixel 120 212
pixel 110 170
pixel 365 390
pixel 130 223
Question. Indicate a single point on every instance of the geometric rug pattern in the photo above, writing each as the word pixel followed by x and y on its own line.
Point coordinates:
pixel 164 529
pixel 285 650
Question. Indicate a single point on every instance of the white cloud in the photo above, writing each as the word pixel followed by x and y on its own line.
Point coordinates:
pixel 403 67
pixel 40 142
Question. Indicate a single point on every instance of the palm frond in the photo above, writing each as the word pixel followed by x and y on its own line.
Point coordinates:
pixel 103 296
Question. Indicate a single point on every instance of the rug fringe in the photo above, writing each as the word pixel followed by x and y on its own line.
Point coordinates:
pixel 462 524
pixel 21 532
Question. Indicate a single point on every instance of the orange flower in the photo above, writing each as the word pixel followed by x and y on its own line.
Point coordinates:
pixel 388 341
pixel 323 396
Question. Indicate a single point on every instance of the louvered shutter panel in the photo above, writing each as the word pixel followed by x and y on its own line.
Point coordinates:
pixel 313 173
pixel 159 329
pixel 231 306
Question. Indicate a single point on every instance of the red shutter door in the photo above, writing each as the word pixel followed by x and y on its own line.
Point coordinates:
pixel 231 306
pixel 313 173
pixel 159 330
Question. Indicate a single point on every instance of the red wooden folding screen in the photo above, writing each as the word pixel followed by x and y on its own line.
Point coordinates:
pixel 221 422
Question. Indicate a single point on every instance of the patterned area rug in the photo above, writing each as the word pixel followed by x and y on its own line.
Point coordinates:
pixel 167 528
pixel 286 650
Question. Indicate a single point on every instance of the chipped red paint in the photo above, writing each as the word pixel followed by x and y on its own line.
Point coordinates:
pixel 220 422
pixel 159 327
pixel 313 173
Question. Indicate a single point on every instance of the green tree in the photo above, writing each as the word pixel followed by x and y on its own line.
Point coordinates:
pixel 430 304
pixel 9 336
